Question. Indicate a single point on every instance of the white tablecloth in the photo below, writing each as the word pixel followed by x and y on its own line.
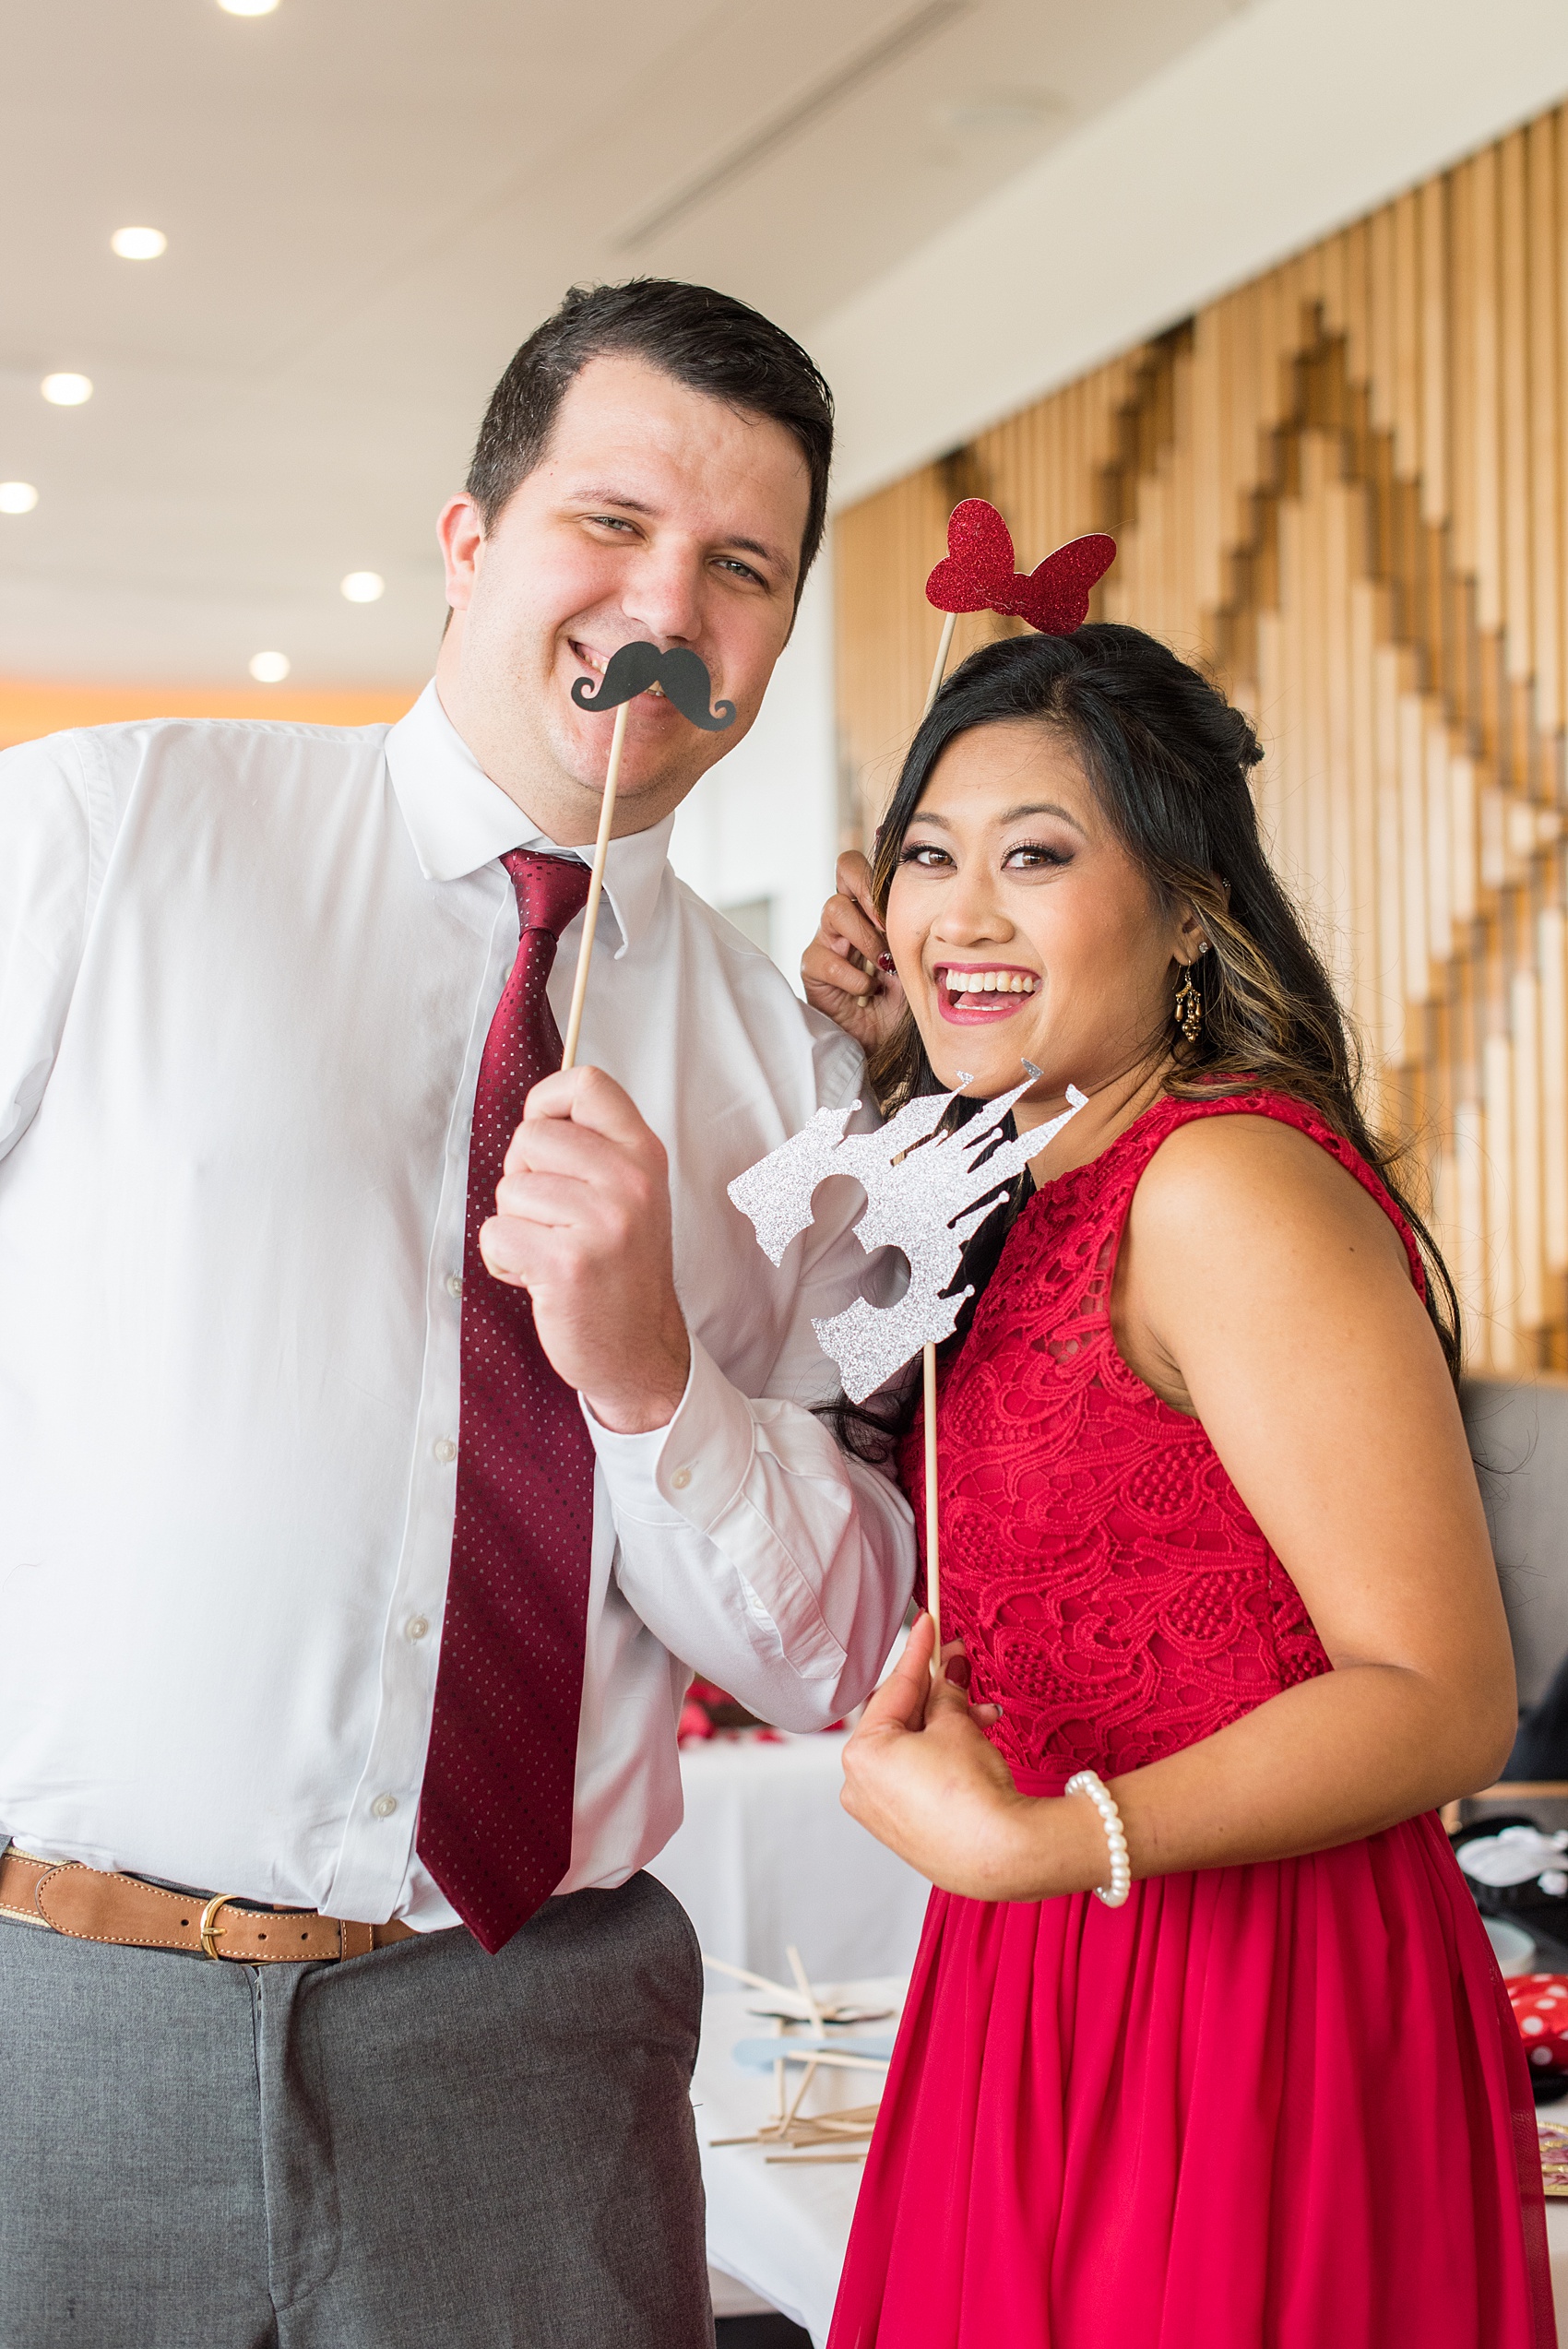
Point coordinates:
pixel 781 2229
pixel 767 1856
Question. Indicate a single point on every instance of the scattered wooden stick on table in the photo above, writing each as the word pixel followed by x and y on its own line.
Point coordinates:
pixel 813 2011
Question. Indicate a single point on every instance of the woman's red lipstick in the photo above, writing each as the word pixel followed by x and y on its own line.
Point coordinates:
pixel 964 1002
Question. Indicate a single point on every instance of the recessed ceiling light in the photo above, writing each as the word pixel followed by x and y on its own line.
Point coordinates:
pixel 269 668
pixel 66 391
pixel 363 586
pixel 139 244
pixel 18 497
pixel 247 8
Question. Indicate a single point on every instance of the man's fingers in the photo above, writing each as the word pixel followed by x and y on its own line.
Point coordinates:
pixel 824 967
pixel 590 1098
pixel 556 1203
pixel 560 1146
pixel 852 879
pixel 844 922
pixel 509 1248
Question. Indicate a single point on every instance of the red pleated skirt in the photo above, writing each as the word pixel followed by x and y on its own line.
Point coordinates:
pixel 1278 2107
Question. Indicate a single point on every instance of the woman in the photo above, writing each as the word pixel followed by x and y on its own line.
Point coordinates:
pixel 1209 1530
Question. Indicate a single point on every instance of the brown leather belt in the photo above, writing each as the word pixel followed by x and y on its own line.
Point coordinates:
pixel 91 1905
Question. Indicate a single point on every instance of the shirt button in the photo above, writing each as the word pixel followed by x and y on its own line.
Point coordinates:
pixel 384 1806
pixel 455 1283
pixel 680 1479
pixel 416 1627
pixel 444 1449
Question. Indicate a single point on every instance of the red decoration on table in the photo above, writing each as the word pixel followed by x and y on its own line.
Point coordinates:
pixel 710 1711
pixel 979 573
pixel 1540 2009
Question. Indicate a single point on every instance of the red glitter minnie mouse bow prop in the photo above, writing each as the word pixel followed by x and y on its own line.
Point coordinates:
pixel 977 573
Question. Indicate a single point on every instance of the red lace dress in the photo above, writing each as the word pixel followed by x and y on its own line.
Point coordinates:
pixel 1275 2106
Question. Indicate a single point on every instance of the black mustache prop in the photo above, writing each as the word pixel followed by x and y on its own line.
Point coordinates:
pixel 679 673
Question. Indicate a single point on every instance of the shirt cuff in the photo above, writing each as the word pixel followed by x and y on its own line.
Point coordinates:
pixel 687 1473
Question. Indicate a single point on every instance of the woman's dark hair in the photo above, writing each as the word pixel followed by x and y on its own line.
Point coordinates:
pixel 708 341
pixel 1168 759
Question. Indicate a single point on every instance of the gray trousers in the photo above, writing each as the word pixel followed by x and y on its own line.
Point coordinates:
pixel 426 2148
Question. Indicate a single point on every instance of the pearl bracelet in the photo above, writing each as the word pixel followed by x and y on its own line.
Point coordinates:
pixel 1104 1801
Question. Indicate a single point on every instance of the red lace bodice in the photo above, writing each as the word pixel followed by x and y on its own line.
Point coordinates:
pixel 1113 1592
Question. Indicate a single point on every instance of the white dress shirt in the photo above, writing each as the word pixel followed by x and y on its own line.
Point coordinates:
pixel 246 973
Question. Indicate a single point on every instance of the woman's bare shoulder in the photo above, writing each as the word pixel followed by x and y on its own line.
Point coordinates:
pixel 1216 1184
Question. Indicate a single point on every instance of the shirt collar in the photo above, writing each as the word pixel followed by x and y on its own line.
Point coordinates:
pixel 459 820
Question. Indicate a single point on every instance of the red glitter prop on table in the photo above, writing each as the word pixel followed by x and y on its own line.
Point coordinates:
pixel 979 573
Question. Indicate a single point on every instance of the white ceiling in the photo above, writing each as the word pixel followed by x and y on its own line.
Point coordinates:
pixel 370 202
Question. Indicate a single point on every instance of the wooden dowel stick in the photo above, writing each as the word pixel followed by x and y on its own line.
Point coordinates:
pixel 932 1557
pixel 833 2059
pixel 943 649
pixel 800 2092
pixel 828 2058
pixel 932 1560
pixel 740 1974
pixel 596 885
pixel 804 1986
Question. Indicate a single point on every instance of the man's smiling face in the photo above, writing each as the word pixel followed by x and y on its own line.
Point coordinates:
pixel 656 512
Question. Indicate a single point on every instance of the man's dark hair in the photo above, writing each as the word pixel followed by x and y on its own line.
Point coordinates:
pixel 707 340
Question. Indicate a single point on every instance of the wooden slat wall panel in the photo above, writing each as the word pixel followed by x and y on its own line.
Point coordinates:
pixel 1544 425
pixel 1344 488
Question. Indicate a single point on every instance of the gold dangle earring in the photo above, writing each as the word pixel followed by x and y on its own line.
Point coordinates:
pixel 1189 1007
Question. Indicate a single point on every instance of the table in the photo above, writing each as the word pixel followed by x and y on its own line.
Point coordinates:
pixel 780 2229
pixel 767 1856
pixel 783 2230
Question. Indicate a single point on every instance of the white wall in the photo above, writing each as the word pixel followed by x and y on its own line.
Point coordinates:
pixel 764 822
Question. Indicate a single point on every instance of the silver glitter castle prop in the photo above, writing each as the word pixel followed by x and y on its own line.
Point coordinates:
pixel 923 1197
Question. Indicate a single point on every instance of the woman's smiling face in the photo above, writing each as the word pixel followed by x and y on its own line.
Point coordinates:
pixel 1022 929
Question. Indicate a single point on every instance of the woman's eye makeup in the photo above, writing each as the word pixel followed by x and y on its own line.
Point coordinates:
pixel 1032 856
pixel 927 854
pixel 1024 856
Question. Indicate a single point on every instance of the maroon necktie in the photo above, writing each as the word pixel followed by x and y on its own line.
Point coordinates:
pixel 495 1812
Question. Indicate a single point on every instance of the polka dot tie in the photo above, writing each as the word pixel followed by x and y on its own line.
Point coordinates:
pixel 495 1812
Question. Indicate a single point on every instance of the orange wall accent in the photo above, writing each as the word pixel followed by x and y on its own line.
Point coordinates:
pixel 28 709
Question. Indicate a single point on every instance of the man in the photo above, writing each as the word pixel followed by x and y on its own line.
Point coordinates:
pixel 351 1586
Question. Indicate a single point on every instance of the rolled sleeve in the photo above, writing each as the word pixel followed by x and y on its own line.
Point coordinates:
pixel 757 1551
